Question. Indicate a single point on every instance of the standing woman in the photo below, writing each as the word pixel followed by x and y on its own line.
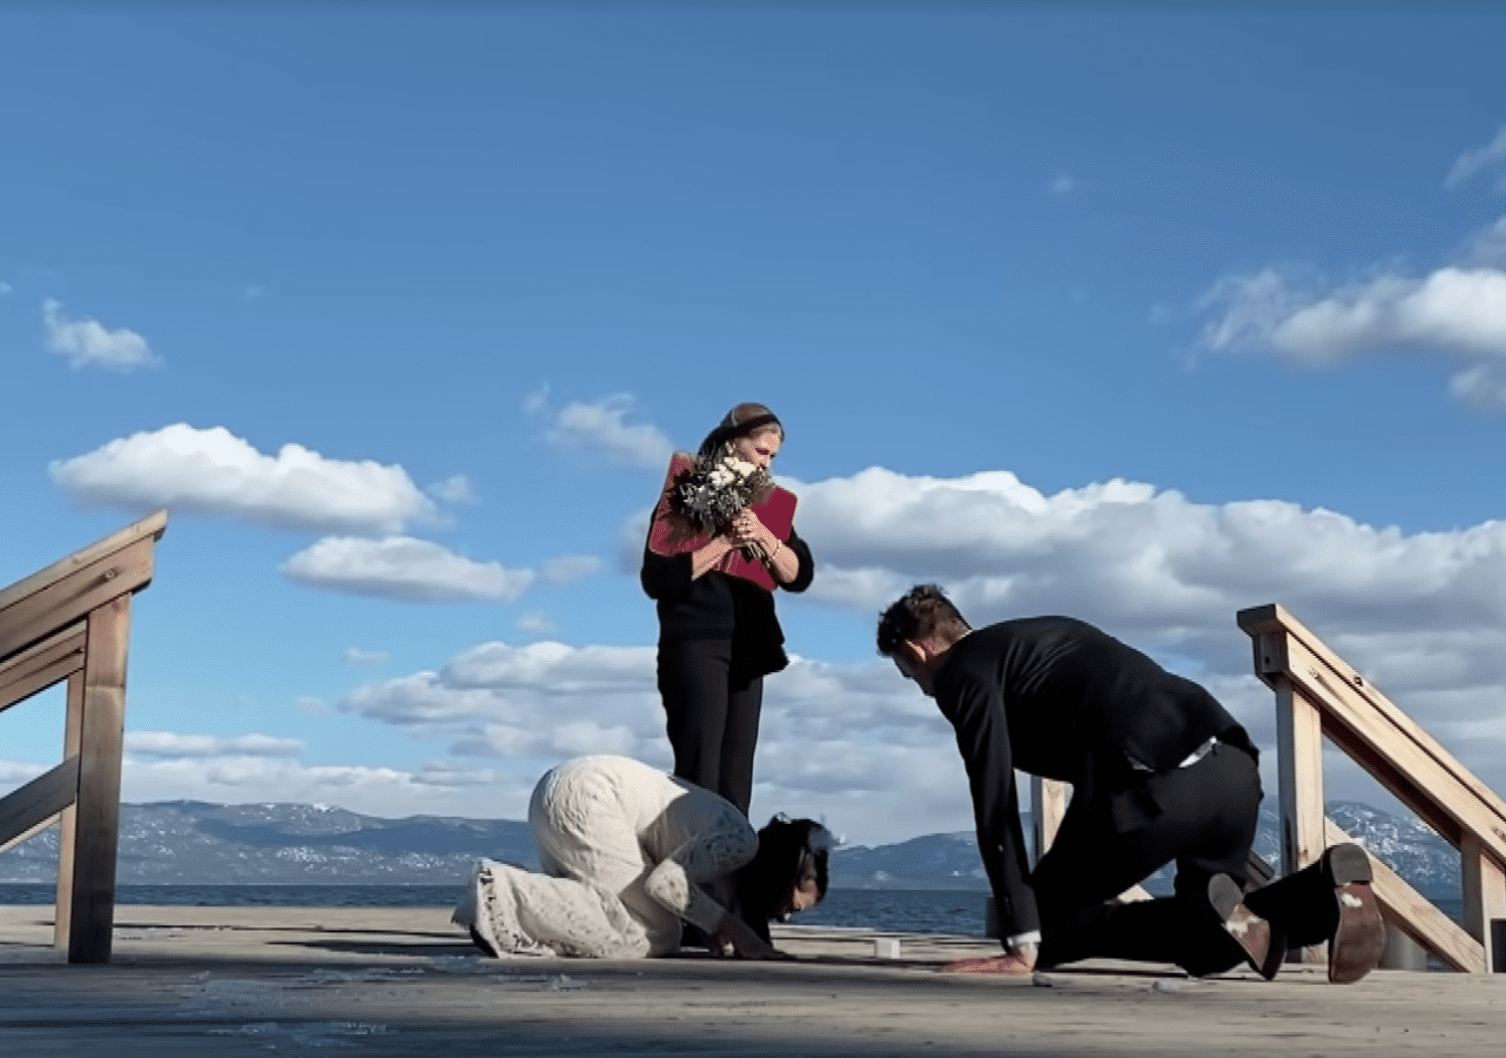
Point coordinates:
pixel 718 633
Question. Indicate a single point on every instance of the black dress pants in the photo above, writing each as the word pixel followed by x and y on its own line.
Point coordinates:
pixel 1202 817
pixel 712 708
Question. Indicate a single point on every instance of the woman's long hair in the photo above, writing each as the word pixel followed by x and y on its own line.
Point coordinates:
pixel 742 420
pixel 790 852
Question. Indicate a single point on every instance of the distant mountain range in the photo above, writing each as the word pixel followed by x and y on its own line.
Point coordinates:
pixel 192 843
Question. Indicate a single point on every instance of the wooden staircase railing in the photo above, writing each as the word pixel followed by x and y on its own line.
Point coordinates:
pixel 72 621
pixel 1318 694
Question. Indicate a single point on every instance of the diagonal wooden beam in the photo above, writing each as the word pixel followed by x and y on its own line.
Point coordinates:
pixel 1417 916
pixel 26 835
pixel 39 800
pixel 35 669
pixel 1356 708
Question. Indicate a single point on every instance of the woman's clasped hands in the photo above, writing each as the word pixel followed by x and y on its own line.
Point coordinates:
pixel 746 531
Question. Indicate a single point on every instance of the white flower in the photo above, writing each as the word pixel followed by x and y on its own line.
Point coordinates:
pixel 739 467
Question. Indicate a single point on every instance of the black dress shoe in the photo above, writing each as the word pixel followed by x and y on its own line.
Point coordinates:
pixel 1263 948
pixel 1359 934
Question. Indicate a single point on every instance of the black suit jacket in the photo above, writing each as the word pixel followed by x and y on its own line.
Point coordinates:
pixel 1056 697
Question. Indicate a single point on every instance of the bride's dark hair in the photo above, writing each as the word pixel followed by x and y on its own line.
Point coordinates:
pixel 791 852
pixel 743 419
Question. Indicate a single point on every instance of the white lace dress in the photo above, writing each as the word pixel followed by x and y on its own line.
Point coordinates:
pixel 626 851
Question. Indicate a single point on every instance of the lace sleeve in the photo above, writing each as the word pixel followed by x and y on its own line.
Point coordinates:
pixel 714 853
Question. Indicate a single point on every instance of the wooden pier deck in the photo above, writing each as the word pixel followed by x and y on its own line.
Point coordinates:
pixel 375 982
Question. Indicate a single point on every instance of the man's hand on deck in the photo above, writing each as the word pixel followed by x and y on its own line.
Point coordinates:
pixel 1014 963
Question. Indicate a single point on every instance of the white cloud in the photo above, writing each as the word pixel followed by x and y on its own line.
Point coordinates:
pixel 5 289
pixel 17 773
pixel 1471 163
pixel 1487 247
pixel 252 292
pixel 212 472
pixel 566 568
pixel 599 427
pixel 535 623
pixel 853 742
pixel 1062 185
pixel 88 343
pixel 358 656
pixel 1482 387
pixel 404 569
pixel 392 792
pixel 170 744
pixel 537 401
pixel 1459 310
pixel 454 489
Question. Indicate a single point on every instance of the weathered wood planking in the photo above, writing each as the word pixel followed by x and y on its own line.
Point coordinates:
pixel 35 669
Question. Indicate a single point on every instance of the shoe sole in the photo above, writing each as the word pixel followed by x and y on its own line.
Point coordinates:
pixel 1263 950
pixel 1359 939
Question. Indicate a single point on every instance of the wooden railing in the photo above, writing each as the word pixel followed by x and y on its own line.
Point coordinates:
pixel 72 621
pixel 1318 694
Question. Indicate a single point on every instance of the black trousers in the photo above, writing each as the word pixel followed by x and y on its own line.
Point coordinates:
pixel 1203 817
pixel 711 708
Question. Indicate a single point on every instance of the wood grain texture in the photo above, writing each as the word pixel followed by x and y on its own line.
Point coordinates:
pixel 35 669
pixel 61 603
pixel 150 528
pixel 24 810
pixel 1484 885
pixel 98 820
pixel 73 734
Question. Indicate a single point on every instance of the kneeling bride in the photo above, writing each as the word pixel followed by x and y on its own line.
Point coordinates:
pixel 629 854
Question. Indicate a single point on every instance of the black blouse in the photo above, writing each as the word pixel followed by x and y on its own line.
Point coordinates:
pixel 718 606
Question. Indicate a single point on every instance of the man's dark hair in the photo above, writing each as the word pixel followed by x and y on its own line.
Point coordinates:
pixel 790 853
pixel 922 613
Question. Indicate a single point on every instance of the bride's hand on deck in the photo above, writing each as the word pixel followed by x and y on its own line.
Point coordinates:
pixel 734 933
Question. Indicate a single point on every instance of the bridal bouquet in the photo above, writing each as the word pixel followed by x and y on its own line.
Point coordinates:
pixel 709 494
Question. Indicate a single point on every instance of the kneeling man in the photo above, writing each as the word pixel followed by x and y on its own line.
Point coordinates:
pixel 1160 772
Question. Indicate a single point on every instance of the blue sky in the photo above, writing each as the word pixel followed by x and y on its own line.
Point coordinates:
pixel 1141 313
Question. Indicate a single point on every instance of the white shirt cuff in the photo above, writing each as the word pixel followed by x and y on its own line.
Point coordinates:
pixel 1020 939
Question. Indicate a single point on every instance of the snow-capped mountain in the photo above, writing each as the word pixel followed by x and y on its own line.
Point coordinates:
pixel 192 843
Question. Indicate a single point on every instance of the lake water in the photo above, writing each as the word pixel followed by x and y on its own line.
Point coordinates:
pixel 900 910
pixel 914 911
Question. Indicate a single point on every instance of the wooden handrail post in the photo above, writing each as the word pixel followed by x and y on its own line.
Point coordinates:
pixel 100 748
pixel 1299 771
pixel 1484 892
pixel 73 731
pixel 72 621
pixel 1320 695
